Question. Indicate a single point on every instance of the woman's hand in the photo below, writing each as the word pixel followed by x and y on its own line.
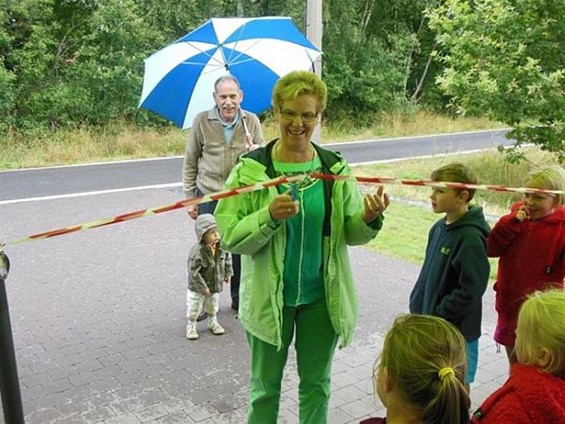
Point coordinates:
pixel 375 204
pixel 283 207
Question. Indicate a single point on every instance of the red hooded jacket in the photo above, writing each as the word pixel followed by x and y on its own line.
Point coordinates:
pixel 532 257
pixel 528 396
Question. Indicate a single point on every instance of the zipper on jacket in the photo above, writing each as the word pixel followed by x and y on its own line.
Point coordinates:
pixel 301 203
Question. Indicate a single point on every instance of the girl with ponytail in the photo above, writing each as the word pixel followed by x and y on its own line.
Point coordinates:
pixel 420 374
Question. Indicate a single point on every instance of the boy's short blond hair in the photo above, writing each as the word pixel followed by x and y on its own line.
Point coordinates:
pixel 541 324
pixel 548 178
pixel 456 173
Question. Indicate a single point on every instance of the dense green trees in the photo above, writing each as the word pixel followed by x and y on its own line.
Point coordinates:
pixel 69 62
pixel 80 62
pixel 505 58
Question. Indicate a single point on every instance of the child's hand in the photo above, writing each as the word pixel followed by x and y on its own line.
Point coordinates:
pixel 522 213
pixel 207 292
pixel 227 280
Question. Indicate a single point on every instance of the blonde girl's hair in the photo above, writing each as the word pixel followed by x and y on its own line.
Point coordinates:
pixel 298 83
pixel 548 178
pixel 541 325
pixel 425 356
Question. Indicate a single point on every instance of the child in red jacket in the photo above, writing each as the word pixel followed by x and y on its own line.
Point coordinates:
pixel 535 391
pixel 530 242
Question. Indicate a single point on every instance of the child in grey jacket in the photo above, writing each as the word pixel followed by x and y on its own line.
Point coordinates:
pixel 209 267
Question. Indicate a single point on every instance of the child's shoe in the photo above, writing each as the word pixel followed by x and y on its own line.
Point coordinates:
pixel 191 333
pixel 215 327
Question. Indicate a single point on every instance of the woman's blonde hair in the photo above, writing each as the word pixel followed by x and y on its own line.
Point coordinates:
pixel 541 325
pixel 298 83
pixel 425 357
pixel 548 178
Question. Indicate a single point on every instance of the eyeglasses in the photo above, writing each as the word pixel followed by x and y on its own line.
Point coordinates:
pixel 290 115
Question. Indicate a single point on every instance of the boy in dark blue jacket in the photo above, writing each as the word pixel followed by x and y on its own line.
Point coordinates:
pixel 455 272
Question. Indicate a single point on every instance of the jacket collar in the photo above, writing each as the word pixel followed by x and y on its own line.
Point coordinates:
pixel 214 115
pixel 328 159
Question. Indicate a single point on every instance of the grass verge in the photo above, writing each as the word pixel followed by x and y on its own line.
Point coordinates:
pixel 405 234
pixel 406 228
pixel 84 145
pixel 120 141
pixel 490 167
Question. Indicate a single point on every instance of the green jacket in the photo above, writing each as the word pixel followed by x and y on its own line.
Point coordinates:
pixel 246 228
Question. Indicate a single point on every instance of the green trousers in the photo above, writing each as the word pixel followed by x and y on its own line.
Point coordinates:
pixel 315 345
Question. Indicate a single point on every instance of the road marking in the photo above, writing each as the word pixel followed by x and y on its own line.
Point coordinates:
pixel 496 132
pixel 88 193
pixel 173 185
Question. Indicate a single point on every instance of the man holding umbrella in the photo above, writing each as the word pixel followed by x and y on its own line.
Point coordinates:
pixel 217 138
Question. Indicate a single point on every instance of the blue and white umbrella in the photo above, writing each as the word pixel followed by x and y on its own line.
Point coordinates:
pixel 179 79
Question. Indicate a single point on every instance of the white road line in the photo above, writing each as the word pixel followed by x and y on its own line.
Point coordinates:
pixel 171 185
pixel 408 137
pixel 88 193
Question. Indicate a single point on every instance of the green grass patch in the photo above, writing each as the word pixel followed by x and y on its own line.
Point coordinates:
pixel 406 228
pixel 405 234
pixel 403 124
pixel 88 145
pixel 490 167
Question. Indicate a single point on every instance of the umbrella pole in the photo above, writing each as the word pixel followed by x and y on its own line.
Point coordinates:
pixel 9 383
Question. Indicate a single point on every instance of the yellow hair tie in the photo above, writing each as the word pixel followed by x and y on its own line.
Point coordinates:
pixel 445 372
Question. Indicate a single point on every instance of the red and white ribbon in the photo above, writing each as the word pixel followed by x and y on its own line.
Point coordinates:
pixel 442 184
pixel 260 186
pixel 154 211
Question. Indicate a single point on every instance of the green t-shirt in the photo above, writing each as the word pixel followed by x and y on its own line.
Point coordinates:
pixel 303 277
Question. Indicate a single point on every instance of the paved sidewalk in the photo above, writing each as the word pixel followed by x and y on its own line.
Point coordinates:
pixel 98 321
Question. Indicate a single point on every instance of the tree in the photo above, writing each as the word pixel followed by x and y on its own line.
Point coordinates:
pixel 80 62
pixel 365 69
pixel 7 79
pixel 505 58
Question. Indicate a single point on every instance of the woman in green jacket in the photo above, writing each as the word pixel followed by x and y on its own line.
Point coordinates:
pixel 296 279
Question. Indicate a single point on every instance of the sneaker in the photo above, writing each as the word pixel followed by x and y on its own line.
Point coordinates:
pixel 216 328
pixel 191 333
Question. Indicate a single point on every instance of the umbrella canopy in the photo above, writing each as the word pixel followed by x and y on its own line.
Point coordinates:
pixel 179 79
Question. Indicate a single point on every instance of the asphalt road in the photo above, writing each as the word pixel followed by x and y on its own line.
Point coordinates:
pixel 60 181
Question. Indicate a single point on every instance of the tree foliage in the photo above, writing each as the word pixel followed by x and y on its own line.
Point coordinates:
pixel 80 62
pixel 505 58
pixel 74 62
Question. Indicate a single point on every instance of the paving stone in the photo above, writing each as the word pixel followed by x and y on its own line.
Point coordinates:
pixel 151 413
pixel 62 373
pixel 128 418
pixel 100 335
pixel 176 418
pixel 102 413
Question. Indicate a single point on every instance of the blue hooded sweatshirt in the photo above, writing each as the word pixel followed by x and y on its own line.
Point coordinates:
pixel 455 273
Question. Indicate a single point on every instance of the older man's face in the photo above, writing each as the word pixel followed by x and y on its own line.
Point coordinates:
pixel 228 97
